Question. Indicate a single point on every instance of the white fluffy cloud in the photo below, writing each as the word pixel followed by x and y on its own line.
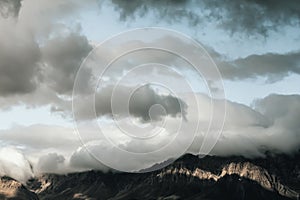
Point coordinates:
pixel 50 163
pixel 13 163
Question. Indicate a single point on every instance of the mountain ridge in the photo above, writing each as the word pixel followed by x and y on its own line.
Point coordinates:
pixel 189 177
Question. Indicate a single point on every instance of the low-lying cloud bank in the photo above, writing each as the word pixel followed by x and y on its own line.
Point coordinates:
pixel 13 163
pixel 271 125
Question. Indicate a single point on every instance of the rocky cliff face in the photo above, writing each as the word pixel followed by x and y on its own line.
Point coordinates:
pixel 244 170
pixel 11 189
pixel 209 178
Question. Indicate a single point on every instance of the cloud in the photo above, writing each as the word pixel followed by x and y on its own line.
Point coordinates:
pixel 40 56
pixel 50 163
pixel 254 16
pixel 235 16
pixel 144 98
pixel 270 65
pixel 63 56
pixel 10 8
pixel 43 18
pixel 34 40
pixel 46 73
pixel 179 9
pixel 19 58
pixel 82 160
pixel 270 125
pixel 140 105
pixel 13 163
pixel 41 137
pixel 247 131
pixel 284 112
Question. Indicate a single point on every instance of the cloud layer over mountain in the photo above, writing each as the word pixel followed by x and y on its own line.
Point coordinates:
pixel 271 126
pixel 42 47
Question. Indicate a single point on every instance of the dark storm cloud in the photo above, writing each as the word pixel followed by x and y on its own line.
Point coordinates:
pixel 36 49
pixel 19 57
pixel 10 8
pixel 144 98
pixel 139 106
pixel 254 15
pixel 63 56
pixel 234 15
pixel 271 65
pixel 178 9
pixel 24 64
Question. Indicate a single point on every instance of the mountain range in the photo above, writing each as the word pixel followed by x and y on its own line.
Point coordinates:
pixel 273 177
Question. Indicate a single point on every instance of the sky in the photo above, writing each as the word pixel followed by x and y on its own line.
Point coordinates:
pixel 51 52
